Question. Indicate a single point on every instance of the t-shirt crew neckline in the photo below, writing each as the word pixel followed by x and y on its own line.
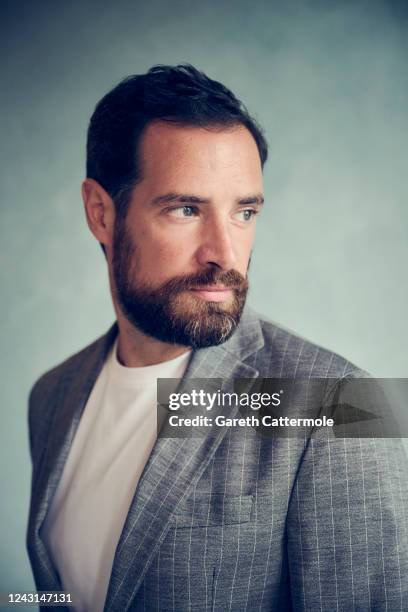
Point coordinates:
pixel 137 376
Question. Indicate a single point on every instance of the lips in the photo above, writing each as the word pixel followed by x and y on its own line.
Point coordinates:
pixel 213 288
pixel 215 293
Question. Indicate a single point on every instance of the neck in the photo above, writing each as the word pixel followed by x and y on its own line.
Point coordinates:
pixel 136 349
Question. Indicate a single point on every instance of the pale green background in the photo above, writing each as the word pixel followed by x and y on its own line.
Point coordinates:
pixel 328 80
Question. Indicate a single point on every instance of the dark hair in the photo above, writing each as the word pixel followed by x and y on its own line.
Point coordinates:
pixel 178 94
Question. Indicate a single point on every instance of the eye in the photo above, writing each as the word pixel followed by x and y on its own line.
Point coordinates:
pixel 246 214
pixel 183 212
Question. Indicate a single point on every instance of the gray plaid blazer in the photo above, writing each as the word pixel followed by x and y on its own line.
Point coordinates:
pixel 238 521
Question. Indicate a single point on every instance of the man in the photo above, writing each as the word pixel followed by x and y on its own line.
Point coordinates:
pixel 234 521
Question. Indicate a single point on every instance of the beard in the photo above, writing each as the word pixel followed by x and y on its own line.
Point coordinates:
pixel 171 312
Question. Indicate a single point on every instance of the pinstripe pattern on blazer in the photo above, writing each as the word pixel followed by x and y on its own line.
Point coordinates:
pixel 236 521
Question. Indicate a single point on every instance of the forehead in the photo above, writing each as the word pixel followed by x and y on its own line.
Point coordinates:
pixel 171 152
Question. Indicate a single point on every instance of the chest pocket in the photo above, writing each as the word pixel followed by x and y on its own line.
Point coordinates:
pixel 214 511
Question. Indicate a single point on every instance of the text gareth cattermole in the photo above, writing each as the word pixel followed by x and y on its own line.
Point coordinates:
pixel 208 400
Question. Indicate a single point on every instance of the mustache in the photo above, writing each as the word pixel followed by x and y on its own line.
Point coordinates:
pixel 210 277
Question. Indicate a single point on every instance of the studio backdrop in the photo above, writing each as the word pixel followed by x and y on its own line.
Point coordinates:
pixel 328 81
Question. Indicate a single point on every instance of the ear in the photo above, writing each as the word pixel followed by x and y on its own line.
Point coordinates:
pixel 99 210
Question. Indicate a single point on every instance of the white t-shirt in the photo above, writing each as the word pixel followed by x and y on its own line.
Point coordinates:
pixel 113 442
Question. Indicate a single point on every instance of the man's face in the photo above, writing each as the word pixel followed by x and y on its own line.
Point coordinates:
pixel 181 255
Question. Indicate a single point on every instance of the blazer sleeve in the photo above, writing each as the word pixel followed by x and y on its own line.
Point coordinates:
pixel 347 526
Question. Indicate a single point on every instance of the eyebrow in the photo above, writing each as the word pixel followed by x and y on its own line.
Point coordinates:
pixel 186 198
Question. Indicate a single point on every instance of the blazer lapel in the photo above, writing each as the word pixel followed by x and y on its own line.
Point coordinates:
pixel 72 397
pixel 174 467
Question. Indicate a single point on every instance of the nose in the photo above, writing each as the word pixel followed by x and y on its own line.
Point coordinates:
pixel 217 247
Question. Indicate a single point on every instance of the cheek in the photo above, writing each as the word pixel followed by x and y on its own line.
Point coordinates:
pixel 166 241
pixel 161 259
pixel 168 252
pixel 244 244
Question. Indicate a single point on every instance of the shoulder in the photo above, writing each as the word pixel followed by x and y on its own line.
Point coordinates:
pixel 47 389
pixel 49 382
pixel 287 354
